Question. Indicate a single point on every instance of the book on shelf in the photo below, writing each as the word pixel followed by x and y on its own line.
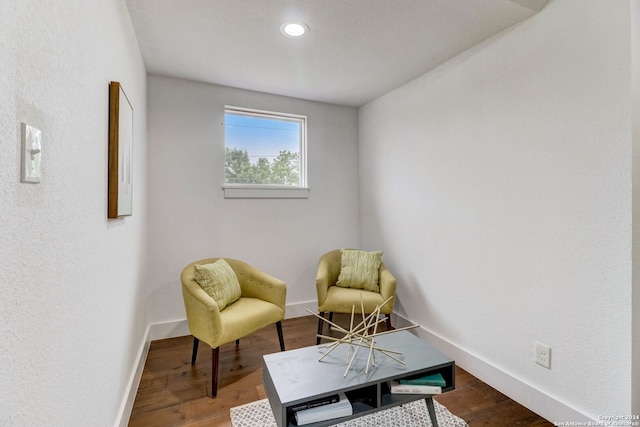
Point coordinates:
pixel 316 402
pixel 431 379
pixel 339 409
pixel 397 388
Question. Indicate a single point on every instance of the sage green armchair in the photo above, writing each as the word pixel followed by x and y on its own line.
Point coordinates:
pixel 335 299
pixel 261 303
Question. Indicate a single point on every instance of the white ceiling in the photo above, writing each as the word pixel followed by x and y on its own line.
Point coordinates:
pixel 355 51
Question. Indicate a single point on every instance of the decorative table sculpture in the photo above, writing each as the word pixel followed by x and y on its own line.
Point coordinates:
pixel 359 336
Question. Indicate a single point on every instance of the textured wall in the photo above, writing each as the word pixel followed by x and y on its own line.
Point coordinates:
pixel 189 218
pixel 71 321
pixel 510 170
pixel 635 83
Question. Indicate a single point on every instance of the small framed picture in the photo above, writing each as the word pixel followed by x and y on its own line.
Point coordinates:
pixel 120 152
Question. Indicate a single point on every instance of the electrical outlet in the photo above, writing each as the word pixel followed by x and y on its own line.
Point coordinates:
pixel 543 355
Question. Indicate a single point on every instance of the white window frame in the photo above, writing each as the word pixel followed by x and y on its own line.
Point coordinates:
pixel 269 191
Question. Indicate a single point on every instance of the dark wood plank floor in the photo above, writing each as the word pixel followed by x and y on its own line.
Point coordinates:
pixel 173 393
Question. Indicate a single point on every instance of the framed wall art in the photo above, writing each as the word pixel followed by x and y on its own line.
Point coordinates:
pixel 120 152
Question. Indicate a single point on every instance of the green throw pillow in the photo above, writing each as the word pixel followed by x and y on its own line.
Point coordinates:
pixel 360 270
pixel 219 281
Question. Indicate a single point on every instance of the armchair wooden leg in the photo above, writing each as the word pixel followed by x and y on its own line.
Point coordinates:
pixel 237 342
pixel 194 353
pixel 389 327
pixel 280 337
pixel 320 322
pixel 215 355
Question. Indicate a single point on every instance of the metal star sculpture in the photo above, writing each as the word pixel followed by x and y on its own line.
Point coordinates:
pixel 359 337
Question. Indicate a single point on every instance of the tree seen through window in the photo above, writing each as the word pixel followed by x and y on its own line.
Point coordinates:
pixel 262 149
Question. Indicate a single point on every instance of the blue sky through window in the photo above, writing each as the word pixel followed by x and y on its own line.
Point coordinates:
pixel 261 137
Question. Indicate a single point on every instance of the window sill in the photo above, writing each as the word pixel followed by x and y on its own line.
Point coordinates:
pixel 264 192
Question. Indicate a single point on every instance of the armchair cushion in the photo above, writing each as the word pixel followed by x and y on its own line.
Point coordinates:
pixel 359 270
pixel 219 281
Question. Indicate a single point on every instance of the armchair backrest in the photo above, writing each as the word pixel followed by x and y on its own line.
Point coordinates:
pixel 330 263
pixel 187 277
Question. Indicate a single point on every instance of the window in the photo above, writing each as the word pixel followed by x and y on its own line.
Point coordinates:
pixel 264 154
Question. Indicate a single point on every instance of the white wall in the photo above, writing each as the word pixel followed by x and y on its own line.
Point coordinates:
pixel 71 318
pixel 189 219
pixel 635 84
pixel 499 186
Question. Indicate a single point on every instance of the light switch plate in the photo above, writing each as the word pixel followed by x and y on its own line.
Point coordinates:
pixel 31 154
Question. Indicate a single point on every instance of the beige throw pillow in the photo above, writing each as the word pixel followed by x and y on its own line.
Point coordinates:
pixel 360 270
pixel 219 281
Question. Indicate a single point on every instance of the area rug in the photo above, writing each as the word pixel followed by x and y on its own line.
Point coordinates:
pixel 414 414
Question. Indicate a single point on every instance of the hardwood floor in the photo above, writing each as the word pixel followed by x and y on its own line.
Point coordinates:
pixel 173 393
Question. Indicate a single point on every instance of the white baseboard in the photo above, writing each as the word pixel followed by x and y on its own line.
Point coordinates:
pixel 154 331
pixel 172 329
pixel 516 389
pixel 124 413
pixel 300 309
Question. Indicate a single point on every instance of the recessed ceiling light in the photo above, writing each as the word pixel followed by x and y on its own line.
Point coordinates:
pixel 294 29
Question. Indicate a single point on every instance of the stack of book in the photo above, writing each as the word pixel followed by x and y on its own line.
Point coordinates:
pixel 428 384
pixel 335 406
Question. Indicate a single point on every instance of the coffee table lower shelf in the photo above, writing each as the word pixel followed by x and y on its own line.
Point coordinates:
pixel 362 405
pixel 365 401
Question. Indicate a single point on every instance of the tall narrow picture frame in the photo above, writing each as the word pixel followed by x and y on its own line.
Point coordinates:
pixel 120 152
